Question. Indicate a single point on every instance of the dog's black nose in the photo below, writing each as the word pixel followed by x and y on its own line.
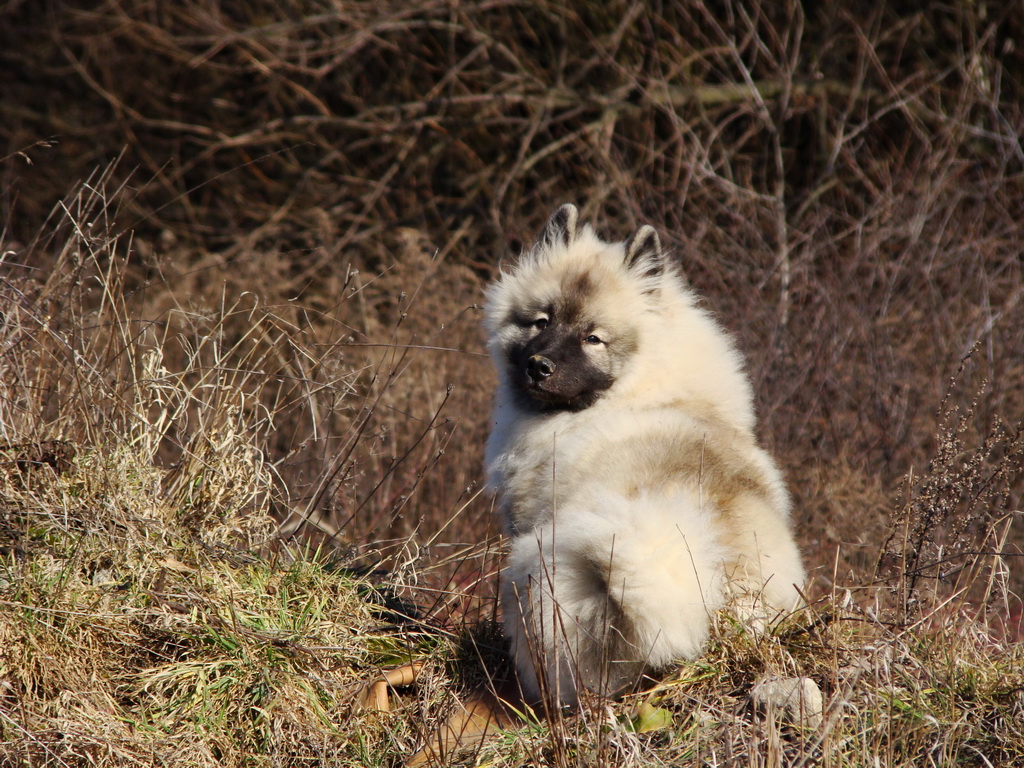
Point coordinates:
pixel 539 367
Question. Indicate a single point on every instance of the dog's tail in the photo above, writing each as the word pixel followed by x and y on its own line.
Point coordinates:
pixel 663 567
pixel 609 588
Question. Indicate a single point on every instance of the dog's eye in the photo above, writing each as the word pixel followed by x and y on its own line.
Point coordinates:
pixel 592 339
pixel 540 323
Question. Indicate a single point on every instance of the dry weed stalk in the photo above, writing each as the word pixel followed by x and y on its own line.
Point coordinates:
pixel 946 550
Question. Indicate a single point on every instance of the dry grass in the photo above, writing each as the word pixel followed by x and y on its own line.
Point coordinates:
pixel 243 396
pixel 160 610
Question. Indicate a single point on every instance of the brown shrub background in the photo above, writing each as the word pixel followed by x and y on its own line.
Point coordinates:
pixel 844 185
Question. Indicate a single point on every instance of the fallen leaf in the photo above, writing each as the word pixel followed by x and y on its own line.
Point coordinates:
pixel 650 718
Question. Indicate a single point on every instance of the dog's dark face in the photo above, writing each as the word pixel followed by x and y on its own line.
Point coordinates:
pixel 562 358
pixel 564 324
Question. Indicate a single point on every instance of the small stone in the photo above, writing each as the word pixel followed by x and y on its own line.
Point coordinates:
pixel 103 577
pixel 798 698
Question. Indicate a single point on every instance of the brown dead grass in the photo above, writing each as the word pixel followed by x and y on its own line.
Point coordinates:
pixel 845 186
pixel 268 288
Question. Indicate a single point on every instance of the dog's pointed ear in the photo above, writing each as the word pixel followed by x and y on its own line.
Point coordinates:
pixel 561 227
pixel 643 252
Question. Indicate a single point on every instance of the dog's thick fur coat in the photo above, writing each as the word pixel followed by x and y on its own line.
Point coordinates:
pixel 637 499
